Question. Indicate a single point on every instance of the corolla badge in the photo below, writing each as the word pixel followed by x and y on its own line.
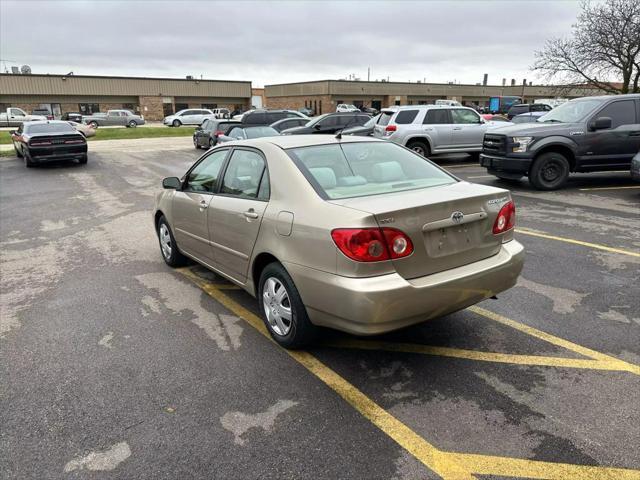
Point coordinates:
pixel 457 217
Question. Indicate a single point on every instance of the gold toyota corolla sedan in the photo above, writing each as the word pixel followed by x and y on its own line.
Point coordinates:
pixel 356 234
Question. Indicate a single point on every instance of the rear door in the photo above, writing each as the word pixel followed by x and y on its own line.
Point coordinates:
pixel 235 214
pixel 190 207
pixel 468 129
pixel 438 126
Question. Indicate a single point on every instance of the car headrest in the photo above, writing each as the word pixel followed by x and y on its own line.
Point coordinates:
pixel 387 172
pixel 325 176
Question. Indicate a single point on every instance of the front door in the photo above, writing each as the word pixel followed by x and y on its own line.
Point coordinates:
pixel 190 207
pixel 616 145
pixel 468 129
pixel 235 214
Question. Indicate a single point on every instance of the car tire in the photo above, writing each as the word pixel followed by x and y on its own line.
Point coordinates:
pixel 549 171
pixel 420 147
pixel 83 160
pixel 196 144
pixel 474 157
pixel 211 143
pixel 28 161
pixel 18 152
pixel 176 123
pixel 133 124
pixel 93 124
pixel 292 333
pixel 168 245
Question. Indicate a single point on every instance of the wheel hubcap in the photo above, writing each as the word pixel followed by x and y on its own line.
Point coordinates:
pixel 419 150
pixel 551 172
pixel 165 241
pixel 277 306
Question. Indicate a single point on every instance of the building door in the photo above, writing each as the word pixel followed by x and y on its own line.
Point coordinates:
pixel 377 104
pixel 56 110
pixel 167 109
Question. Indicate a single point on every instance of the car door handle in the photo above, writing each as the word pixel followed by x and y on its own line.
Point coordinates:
pixel 203 205
pixel 250 214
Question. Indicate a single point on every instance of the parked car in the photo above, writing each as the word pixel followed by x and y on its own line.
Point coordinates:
pixel 221 112
pixel 433 129
pixel 448 103
pixel 42 141
pixel 285 123
pixel 365 130
pixel 635 167
pixel 14 117
pixel 206 136
pixel 124 118
pixel 370 110
pixel 243 132
pixel 346 108
pixel 526 108
pixel 530 117
pixel 189 116
pixel 329 123
pixel 307 111
pixel 356 234
pixel 72 116
pixel 86 130
pixel 583 135
pixel 267 117
pixel 44 112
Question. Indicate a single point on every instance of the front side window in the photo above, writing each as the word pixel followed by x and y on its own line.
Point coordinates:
pixel 571 112
pixel 204 177
pixel 365 168
pixel 437 116
pixel 621 113
pixel 17 112
pixel 461 115
pixel 243 175
pixel 406 116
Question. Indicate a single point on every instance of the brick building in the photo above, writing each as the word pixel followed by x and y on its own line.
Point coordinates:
pixel 322 96
pixel 152 97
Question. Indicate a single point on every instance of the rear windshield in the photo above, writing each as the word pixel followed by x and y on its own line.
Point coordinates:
pixel 384 118
pixel 49 128
pixel 365 168
pixel 258 132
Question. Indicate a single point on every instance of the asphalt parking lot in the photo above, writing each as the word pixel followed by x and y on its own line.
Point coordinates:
pixel 113 365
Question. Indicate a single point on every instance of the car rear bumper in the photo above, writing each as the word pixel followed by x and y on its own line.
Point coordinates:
pixel 55 154
pixel 505 164
pixel 369 306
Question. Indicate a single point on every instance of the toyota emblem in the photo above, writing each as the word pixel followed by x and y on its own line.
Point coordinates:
pixel 457 217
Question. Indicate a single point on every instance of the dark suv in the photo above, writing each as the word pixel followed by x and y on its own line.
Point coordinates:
pixel 267 117
pixel 584 135
pixel 330 123
pixel 527 108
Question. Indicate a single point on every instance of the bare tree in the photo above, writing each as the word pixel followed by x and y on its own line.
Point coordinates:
pixel 603 50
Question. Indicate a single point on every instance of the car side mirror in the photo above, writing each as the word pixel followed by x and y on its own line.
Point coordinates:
pixel 317 126
pixel 171 182
pixel 601 123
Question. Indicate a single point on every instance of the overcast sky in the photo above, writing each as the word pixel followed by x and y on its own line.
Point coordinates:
pixel 279 42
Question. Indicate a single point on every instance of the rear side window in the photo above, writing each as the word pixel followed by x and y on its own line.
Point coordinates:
pixel 365 168
pixel 406 116
pixel 274 117
pixel 621 113
pixel 437 116
pixel 258 118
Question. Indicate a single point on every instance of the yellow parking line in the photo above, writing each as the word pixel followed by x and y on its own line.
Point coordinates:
pixel 449 465
pixel 610 188
pixel 614 363
pixel 597 246
pixel 475 355
pixel 460 165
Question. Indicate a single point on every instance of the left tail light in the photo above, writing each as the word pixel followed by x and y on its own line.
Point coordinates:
pixel 372 244
pixel 506 218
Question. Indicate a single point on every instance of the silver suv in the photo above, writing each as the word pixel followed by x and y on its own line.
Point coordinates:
pixel 433 129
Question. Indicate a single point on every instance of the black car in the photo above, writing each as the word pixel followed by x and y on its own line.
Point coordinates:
pixel 365 130
pixel 267 117
pixel 587 134
pixel 72 117
pixel 330 123
pixel 48 140
pixel 370 110
pixel 285 123
pixel 635 168
pixel 243 132
pixel 207 134
pixel 526 108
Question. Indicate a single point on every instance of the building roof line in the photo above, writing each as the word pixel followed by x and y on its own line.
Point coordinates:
pixel 116 77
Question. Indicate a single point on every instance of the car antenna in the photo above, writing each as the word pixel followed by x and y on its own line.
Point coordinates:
pixel 339 132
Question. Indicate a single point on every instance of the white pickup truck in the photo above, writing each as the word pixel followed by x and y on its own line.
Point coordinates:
pixel 13 117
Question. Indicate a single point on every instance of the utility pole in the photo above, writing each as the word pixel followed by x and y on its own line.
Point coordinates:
pixel 368 74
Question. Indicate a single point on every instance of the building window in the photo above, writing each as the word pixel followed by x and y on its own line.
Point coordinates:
pixel 210 106
pixel 181 106
pixel 88 108
pixel 129 106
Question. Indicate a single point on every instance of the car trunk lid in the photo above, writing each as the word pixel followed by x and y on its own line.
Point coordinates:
pixel 449 225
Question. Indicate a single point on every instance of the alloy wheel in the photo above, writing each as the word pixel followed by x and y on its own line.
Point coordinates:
pixel 277 306
pixel 165 241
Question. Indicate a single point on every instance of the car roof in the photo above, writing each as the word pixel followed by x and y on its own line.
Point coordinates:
pixel 296 141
